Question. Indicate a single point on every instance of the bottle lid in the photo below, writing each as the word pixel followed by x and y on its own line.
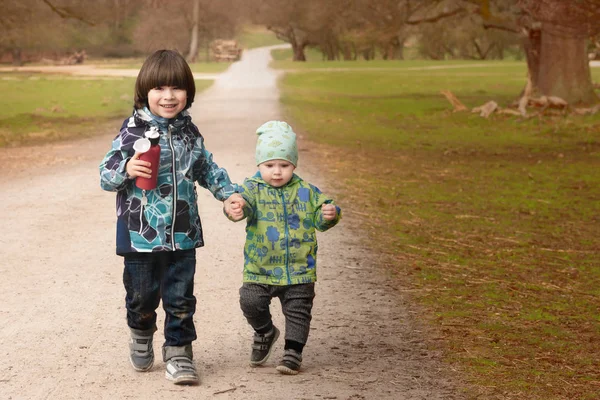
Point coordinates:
pixel 152 133
pixel 141 145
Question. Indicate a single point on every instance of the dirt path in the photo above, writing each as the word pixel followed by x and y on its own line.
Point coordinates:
pixel 63 333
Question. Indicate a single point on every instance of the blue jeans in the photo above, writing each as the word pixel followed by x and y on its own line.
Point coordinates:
pixel 166 276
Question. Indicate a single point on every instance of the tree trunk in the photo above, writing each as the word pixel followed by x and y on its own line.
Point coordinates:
pixel 532 44
pixel 564 68
pixel 396 47
pixel 347 52
pixel 394 50
pixel 369 53
pixel 298 39
pixel 298 49
pixel 399 55
pixel 17 57
pixel 329 49
pixel 193 53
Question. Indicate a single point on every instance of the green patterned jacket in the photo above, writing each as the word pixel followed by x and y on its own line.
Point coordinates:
pixel 281 223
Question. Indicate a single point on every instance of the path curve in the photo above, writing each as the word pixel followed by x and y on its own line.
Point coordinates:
pixel 63 333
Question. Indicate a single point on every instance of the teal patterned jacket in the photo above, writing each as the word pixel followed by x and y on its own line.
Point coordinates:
pixel 281 224
pixel 165 218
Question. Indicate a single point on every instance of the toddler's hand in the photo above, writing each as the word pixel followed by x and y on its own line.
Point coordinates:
pixel 236 198
pixel 234 206
pixel 136 167
pixel 329 211
pixel 235 211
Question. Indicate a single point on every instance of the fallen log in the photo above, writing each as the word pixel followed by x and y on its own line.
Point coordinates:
pixel 456 103
pixel 486 109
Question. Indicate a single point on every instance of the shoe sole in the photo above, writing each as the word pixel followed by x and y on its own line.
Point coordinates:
pixel 138 369
pixel 286 371
pixel 183 380
pixel 264 360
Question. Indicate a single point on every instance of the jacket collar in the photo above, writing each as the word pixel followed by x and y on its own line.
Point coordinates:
pixel 146 115
pixel 258 179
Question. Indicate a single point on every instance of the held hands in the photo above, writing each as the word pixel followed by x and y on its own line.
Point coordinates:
pixel 136 167
pixel 234 206
pixel 329 212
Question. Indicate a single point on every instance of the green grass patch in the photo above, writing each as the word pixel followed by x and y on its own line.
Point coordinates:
pixel 209 67
pixel 283 60
pixel 257 36
pixel 493 223
pixel 314 55
pixel 49 107
pixel 201 67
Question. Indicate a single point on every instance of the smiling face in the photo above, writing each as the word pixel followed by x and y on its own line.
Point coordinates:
pixel 276 172
pixel 162 78
pixel 167 101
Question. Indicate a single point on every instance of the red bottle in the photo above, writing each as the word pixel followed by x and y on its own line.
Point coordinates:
pixel 152 155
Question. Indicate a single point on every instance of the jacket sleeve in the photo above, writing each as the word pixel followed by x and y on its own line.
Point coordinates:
pixel 318 199
pixel 113 176
pixel 210 176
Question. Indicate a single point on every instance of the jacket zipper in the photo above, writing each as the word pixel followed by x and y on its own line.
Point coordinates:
pixel 286 238
pixel 142 206
pixel 174 171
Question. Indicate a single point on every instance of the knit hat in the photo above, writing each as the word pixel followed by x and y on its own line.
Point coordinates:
pixel 276 141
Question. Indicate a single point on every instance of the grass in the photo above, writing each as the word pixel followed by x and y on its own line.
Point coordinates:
pixel 50 107
pixel 257 36
pixel 201 67
pixel 492 224
pixel 314 55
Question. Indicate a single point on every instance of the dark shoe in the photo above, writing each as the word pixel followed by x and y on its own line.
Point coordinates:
pixel 182 371
pixel 262 346
pixel 141 353
pixel 290 364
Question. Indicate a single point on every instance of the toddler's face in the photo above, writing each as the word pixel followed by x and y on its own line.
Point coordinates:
pixel 167 101
pixel 276 172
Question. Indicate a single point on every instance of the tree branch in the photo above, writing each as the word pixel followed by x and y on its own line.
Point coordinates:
pixel 280 34
pixel 436 18
pixel 501 27
pixel 66 14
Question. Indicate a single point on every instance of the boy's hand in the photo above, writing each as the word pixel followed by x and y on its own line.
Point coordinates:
pixel 234 206
pixel 329 211
pixel 136 167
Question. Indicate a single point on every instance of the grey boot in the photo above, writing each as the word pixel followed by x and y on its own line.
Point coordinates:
pixel 141 352
pixel 262 347
pixel 291 362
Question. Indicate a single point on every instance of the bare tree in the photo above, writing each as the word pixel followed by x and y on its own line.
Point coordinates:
pixel 290 20
pixel 345 26
pixel 393 20
pixel 565 26
pixel 190 25
pixel 194 36
pixel 554 36
pixel 472 41
pixel 31 28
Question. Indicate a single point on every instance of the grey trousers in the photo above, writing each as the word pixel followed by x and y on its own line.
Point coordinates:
pixel 296 304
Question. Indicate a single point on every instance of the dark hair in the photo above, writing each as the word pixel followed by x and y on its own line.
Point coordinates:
pixel 164 68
